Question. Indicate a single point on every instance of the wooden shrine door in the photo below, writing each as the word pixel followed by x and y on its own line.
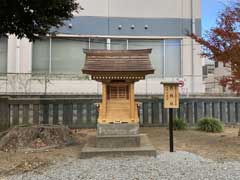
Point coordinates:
pixel 118 104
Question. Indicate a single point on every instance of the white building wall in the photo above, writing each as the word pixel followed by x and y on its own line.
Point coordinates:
pixel 93 8
pixel 212 81
pixel 25 65
pixel 140 8
pixel 12 45
pixel 19 55
pixel 191 61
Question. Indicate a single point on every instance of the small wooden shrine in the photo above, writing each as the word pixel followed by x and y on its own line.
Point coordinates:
pixel 118 120
pixel 118 70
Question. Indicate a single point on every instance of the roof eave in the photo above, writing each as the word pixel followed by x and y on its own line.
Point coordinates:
pixel 87 71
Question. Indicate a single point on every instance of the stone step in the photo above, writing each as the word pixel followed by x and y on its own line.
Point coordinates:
pixel 117 141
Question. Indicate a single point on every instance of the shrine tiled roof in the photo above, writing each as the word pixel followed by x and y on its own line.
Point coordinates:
pixel 98 61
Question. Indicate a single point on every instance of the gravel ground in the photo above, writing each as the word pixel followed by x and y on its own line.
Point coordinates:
pixel 178 165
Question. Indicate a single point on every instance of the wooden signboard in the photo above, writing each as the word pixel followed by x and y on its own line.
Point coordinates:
pixel 171 101
pixel 171 95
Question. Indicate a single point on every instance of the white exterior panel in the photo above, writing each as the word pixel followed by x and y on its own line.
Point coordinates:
pixel 140 8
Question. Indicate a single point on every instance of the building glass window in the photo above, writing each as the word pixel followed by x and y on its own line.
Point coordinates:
pixel 3 54
pixel 67 55
pixel 40 56
pixel 157 55
pixel 118 44
pixel 98 43
pixel 172 58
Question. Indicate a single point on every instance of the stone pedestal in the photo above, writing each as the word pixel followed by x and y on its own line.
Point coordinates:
pixel 117 129
pixel 117 140
pixel 117 135
pixel 144 149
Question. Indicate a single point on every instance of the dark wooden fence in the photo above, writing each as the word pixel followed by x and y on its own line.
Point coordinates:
pixel 81 112
pixel 191 110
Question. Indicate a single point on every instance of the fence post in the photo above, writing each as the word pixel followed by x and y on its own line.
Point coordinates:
pixel 4 114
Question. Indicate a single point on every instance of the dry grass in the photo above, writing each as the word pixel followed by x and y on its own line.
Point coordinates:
pixel 216 146
pixel 27 160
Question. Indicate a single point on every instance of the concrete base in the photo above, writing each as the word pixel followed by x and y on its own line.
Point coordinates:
pixel 117 129
pixel 144 149
pixel 118 141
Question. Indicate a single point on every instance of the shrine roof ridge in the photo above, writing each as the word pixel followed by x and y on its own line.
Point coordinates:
pixel 131 51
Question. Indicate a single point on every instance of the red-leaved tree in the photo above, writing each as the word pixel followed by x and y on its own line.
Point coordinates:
pixel 222 44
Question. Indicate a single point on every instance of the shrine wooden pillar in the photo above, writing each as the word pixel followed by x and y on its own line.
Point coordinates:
pixel 132 101
pixel 104 101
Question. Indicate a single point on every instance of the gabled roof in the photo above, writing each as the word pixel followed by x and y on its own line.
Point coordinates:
pixel 116 61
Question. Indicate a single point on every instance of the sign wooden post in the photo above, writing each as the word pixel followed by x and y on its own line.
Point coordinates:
pixel 171 101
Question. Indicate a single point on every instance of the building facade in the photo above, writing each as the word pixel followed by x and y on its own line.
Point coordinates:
pixel 56 60
pixel 212 78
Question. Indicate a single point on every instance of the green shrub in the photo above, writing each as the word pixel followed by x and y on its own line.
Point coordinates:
pixel 209 124
pixel 179 124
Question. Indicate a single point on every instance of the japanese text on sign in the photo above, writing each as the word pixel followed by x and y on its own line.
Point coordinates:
pixel 171 96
